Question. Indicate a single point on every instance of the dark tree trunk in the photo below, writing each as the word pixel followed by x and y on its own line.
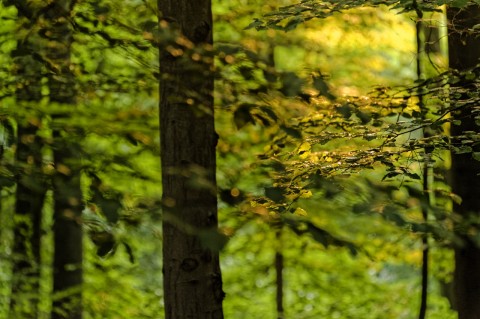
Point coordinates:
pixel 419 26
pixel 31 187
pixel 30 195
pixel 464 53
pixel 67 195
pixel 192 277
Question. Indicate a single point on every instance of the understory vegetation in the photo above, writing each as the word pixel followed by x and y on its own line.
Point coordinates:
pixel 347 150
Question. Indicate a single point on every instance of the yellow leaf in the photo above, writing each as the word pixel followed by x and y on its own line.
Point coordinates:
pixel 306 194
pixel 300 212
pixel 304 150
pixel 305 146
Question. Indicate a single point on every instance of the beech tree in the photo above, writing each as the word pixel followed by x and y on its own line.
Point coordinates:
pixel 192 278
pixel 311 168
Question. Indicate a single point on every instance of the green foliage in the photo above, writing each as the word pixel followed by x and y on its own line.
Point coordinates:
pixel 287 18
pixel 301 148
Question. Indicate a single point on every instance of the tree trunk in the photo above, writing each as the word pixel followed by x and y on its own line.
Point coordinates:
pixel 192 277
pixel 68 251
pixel 464 53
pixel 30 195
pixel 279 266
pixel 31 187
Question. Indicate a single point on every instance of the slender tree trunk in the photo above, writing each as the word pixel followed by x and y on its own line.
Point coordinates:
pixel 192 277
pixel 464 53
pixel 279 257
pixel 30 195
pixel 68 253
pixel 31 187
pixel 419 27
pixel 279 265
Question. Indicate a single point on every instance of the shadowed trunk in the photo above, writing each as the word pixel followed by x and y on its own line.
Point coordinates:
pixel 464 52
pixel 31 186
pixel 68 254
pixel 192 278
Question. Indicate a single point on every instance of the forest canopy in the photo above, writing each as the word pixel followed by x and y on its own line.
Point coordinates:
pixel 239 159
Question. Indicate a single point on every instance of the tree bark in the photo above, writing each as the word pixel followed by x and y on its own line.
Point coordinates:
pixel 67 195
pixel 464 53
pixel 192 277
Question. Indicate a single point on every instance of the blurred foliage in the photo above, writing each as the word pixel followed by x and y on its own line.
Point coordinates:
pixel 290 16
pixel 320 135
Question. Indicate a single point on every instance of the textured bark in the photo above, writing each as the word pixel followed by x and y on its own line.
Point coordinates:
pixel 464 53
pixel 67 195
pixel 31 186
pixel 192 277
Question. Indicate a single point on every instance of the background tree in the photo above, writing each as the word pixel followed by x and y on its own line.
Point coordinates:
pixel 67 194
pixel 31 184
pixel 301 144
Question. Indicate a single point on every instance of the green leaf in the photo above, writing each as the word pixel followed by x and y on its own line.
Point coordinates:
pixel 456 199
pixel 304 149
pixel 459 3
pixel 242 116
pixel 462 149
pixel 291 131
pixel 6 181
pixel 102 9
pixel 391 174
pixel 229 49
pixel 391 213
pixel 270 113
pixel 265 121
pixel 277 194
pixel 246 72
pixel 149 25
pixel 110 208
pixel 105 242
pixel 277 166
pixel 361 208
pixel 364 117
pixel 105 248
pixel 476 156
pixel 270 76
pixel 345 110
pixel 300 212
pixel 291 84
pixel 255 24
pixel 293 23
pixel 129 250
pixel 413 175
pixel 322 87
pixel 319 234
pixel 8 133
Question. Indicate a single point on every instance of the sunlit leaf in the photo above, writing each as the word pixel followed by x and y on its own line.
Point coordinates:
pixel 300 212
